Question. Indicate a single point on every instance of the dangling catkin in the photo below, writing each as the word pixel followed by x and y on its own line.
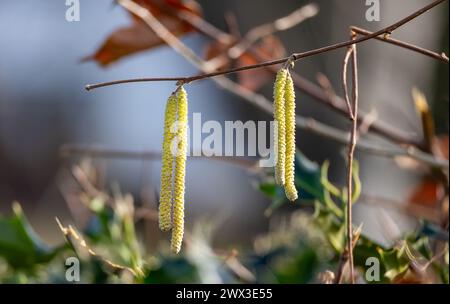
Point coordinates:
pixel 280 120
pixel 165 201
pixel 180 172
pixel 289 97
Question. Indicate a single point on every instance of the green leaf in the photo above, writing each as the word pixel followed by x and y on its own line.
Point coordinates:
pixel 329 189
pixel 172 270
pixel 357 186
pixel 298 268
pixel 19 244
pixel 274 192
pixel 332 226
pixel 395 261
pixel 308 178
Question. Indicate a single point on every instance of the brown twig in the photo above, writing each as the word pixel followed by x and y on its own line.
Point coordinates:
pixel 347 256
pixel 344 257
pixel 348 54
pixel 280 24
pixel 367 121
pixel 76 241
pixel 206 28
pixel 442 56
pixel 261 31
pixel 102 152
pixel 351 152
pixel 170 39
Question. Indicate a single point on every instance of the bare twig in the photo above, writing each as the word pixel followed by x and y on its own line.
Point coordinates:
pixel 348 54
pixel 367 121
pixel 281 24
pixel 206 28
pixel 77 243
pixel 232 24
pixel 261 31
pixel 351 150
pixel 343 260
pixel 442 56
pixel 102 152
pixel 161 31
pixel 170 39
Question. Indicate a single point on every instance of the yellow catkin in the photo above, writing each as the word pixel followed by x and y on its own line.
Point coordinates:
pixel 289 97
pixel 165 201
pixel 180 172
pixel 279 116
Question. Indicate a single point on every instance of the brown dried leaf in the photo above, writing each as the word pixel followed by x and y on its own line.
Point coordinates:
pixel 139 37
pixel 268 48
pixel 426 193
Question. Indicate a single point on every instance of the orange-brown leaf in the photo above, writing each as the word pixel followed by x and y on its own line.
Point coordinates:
pixel 139 37
pixel 268 48
pixel 426 193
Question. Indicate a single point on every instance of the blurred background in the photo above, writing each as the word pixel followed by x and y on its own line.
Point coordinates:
pixel 43 106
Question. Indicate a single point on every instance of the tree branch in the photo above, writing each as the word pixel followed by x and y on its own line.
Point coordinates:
pixel 308 124
pixel 442 56
pixel 351 151
pixel 161 31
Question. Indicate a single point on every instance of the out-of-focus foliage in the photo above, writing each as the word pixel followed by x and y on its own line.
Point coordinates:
pixel 19 245
pixel 297 249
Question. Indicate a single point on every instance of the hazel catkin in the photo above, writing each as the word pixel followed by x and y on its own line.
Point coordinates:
pixel 180 172
pixel 280 120
pixel 289 98
pixel 165 200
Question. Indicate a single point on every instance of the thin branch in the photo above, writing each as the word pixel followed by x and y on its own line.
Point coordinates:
pixel 232 24
pixel 259 32
pixel 351 152
pixel 76 241
pixel 206 28
pixel 367 121
pixel 281 24
pixel 344 257
pixel 161 31
pixel 90 87
pixel 102 152
pixel 442 56
pixel 348 54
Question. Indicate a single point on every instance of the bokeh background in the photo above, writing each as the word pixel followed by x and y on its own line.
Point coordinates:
pixel 43 105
